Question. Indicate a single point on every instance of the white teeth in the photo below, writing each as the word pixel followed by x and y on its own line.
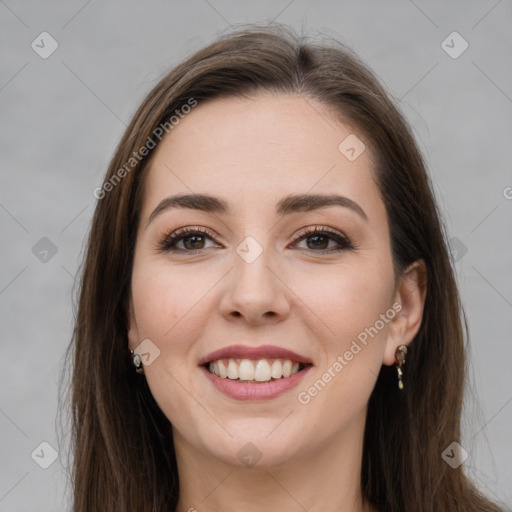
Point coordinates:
pixel 223 371
pixel 262 371
pixel 232 370
pixel 277 369
pixel 246 370
pixel 287 368
pixel 259 371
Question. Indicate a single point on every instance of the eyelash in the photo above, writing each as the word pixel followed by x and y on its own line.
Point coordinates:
pixel 168 244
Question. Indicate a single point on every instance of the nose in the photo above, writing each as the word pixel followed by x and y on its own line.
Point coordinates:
pixel 254 289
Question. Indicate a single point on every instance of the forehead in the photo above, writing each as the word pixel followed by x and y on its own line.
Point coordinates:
pixel 259 149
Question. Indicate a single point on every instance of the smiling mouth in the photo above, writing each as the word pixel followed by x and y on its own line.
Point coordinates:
pixel 254 371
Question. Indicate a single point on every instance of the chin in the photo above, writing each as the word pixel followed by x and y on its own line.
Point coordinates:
pixel 255 453
pixel 252 444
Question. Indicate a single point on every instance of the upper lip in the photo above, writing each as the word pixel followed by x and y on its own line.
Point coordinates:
pixel 248 352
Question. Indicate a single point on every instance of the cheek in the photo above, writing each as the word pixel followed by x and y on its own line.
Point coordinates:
pixel 347 301
pixel 172 309
pixel 168 311
pixel 354 308
pixel 162 298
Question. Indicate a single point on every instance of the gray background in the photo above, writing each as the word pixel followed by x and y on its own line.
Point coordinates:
pixel 62 117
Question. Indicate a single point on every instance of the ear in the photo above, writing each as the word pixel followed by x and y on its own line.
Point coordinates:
pixel 132 329
pixel 410 296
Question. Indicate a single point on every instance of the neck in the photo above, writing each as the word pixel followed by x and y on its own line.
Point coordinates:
pixel 326 478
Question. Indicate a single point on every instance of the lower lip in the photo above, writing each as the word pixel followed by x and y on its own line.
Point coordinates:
pixel 255 391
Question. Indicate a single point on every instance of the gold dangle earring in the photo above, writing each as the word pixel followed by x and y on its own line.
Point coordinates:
pixel 400 354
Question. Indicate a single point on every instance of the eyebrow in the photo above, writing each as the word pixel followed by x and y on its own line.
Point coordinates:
pixel 288 205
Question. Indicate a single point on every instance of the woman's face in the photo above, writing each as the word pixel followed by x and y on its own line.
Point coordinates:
pixel 254 284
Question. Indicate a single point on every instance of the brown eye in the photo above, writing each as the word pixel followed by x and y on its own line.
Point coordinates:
pixel 193 239
pixel 194 242
pixel 318 240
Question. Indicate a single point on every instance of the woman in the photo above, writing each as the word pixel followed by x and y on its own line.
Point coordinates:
pixel 268 317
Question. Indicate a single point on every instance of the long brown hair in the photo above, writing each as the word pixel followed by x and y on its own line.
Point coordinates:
pixel 122 446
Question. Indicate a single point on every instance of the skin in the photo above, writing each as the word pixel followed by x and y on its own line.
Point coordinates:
pixel 252 152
